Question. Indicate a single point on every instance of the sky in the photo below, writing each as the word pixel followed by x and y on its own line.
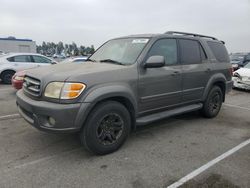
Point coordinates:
pixel 88 22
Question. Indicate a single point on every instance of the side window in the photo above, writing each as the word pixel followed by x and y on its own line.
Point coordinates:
pixel 219 51
pixel 21 58
pixel 190 51
pixel 39 59
pixel 11 59
pixel 166 48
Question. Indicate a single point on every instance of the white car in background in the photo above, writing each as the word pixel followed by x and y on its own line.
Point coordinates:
pixel 13 62
pixel 241 77
pixel 79 59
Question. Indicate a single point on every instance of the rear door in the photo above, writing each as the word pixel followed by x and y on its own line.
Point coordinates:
pixel 21 62
pixel 196 70
pixel 160 88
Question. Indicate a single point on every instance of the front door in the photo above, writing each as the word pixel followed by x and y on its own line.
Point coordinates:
pixel 160 88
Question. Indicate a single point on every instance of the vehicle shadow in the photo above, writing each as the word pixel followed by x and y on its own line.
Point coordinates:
pixel 241 90
pixel 72 141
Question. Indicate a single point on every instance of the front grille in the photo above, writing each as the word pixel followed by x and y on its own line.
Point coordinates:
pixel 32 86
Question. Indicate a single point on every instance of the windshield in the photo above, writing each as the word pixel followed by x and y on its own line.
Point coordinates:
pixel 247 66
pixel 120 51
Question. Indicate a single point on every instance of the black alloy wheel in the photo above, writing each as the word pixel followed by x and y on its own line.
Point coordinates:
pixel 106 128
pixel 110 129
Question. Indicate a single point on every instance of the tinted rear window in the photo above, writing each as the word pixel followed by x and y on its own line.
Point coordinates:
pixel 190 51
pixel 219 51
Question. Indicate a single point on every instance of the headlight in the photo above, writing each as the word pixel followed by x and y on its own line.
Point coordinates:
pixel 72 90
pixel 19 78
pixel 64 90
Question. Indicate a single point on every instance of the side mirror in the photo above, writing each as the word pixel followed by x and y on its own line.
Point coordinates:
pixel 53 62
pixel 155 62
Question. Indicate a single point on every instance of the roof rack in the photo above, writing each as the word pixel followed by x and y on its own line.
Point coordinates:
pixel 190 34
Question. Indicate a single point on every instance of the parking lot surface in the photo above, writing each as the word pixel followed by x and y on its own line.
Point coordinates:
pixel 157 155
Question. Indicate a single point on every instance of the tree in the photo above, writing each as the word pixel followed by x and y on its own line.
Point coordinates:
pixel 60 47
pixel 50 48
pixel 44 48
pixel 92 50
pixel 75 49
pixel 82 50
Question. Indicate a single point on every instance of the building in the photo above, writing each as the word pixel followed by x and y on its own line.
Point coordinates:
pixel 11 44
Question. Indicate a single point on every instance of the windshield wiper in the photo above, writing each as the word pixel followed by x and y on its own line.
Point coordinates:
pixel 111 61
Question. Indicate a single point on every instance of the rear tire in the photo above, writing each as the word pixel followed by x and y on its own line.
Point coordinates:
pixel 213 103
pixel 7 76
pixel 107 128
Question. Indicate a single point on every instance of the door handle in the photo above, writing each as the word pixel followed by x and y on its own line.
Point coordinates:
pixel 208 70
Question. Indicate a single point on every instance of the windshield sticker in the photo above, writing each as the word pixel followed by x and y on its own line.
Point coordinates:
pixel 140 41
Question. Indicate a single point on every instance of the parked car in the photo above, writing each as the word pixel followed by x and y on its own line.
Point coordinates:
pixel 13 62
pixel 17 80
pixel 128 82
pixel 59 56
pixel 79 59
pixel 1 52
pixel 239 60
pixel 241 78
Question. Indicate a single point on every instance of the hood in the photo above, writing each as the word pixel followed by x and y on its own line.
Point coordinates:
pixel 61 72
pixel 244 72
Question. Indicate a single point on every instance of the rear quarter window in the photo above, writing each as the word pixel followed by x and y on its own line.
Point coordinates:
pixel 219 51
pixel 11 59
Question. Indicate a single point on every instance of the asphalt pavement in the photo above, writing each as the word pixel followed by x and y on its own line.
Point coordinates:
pixel 157 155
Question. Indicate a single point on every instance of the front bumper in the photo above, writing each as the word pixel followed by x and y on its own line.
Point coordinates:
pixel 237 83
pixel 67 117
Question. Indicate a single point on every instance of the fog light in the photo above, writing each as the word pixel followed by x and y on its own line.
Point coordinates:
pixel 52 121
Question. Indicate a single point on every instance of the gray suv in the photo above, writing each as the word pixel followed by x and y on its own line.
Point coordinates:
pixel 128 82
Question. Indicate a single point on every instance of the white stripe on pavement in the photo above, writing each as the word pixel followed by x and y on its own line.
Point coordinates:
pixel 236 106
pixel 208 165
pixel 9 116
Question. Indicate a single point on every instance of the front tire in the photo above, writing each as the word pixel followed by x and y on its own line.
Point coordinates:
pixel 213 103
pixel 107 128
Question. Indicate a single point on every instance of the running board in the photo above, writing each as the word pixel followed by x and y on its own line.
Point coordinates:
pixel 162 115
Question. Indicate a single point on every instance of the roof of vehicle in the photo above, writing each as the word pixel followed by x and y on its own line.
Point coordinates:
pixel 176 34
pixel 19 53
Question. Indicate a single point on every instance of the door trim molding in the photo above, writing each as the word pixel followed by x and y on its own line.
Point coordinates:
pixel 159 95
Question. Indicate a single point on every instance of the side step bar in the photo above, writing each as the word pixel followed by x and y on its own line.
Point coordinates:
pixel 162 115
